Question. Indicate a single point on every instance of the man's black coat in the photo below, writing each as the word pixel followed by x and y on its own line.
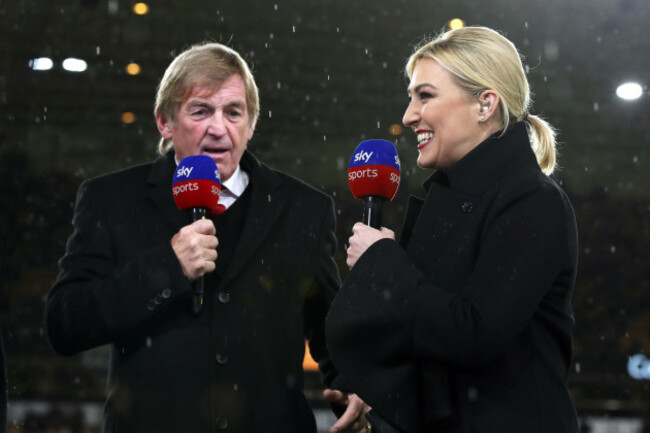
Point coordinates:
pixel 237 366
pixel 466 326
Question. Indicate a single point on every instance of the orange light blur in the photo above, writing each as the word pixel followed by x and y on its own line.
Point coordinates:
pixel 308 363
pixel 133 69
pixel 140 9
pixel 128 117
pixel 395 129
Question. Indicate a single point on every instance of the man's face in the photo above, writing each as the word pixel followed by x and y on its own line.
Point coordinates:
pixel 212 123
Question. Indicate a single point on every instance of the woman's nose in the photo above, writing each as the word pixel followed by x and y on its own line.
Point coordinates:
pixel 410 118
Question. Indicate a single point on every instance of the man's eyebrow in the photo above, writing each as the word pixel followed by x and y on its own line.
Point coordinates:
pixel 238 103
pixel 197 102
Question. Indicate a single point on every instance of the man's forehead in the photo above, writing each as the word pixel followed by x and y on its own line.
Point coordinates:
pixel 231 89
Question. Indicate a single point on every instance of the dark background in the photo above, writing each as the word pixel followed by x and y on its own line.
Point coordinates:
pixel 330 75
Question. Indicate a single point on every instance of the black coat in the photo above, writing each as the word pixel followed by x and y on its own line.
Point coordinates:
pixel 237 366
pixel 3 388
pixel 465 326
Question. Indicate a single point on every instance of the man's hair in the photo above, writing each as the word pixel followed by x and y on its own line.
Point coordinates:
pixel 207 66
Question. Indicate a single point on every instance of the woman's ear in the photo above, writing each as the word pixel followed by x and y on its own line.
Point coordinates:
pixel 489 101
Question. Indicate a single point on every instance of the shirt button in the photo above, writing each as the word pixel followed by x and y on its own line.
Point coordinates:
pixel 467 206
pixel 222 423
pixel 223 297
pixel 221 359
pixel 166 293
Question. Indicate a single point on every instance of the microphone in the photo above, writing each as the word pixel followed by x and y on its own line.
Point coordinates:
pixel 373 176
pixel 196 187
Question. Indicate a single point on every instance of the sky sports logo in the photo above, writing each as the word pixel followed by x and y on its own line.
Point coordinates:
pixel 375 152
pixel 372 172
pixel 196 185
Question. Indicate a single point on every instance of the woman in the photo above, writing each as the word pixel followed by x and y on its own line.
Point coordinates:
pixel 465 324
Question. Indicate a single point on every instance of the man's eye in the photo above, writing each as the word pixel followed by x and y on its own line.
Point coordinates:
pixel 198 112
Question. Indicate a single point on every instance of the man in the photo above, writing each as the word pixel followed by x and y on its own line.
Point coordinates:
pixel 127 276
pixel 3 388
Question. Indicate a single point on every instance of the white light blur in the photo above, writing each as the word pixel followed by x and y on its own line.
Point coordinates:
pixel 41 64
pixel 74 65
pixel 629 91
pixel 638 367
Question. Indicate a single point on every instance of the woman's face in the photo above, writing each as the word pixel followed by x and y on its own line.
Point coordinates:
pixel 447 122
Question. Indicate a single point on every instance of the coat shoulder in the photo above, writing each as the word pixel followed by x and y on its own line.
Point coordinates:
pixel 119 179
pixel 300 188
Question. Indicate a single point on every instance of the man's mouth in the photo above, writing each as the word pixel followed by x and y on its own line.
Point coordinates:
pixel 214 151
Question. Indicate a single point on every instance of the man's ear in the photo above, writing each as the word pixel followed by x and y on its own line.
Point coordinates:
pixel 251 130
pixel 164 126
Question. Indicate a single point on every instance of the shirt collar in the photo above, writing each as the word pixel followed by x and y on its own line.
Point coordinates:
pixel 237 183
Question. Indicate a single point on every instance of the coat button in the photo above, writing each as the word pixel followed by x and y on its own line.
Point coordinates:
pixel 166 293
pixel 221 359
pixel 467 206
pixel 222 423
pixel 151 305
pixel 223 297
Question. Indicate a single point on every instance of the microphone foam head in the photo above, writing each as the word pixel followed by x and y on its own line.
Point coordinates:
pixel 374 170
pixel 197 184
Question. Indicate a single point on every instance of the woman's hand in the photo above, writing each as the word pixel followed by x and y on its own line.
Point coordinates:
pixel 362 237
pixel 354 419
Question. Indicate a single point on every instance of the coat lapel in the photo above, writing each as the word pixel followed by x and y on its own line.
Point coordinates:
pixel 159 190
pixel 414 208
pixel 266 206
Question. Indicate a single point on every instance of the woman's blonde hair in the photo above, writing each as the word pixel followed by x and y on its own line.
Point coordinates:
pixel 479 59
pixel 205 65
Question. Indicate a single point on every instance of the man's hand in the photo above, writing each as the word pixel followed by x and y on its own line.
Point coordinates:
pixel 353 419
pixel 362 238
pixel 195 246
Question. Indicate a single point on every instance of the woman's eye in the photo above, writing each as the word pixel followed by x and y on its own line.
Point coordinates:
pixel 426 95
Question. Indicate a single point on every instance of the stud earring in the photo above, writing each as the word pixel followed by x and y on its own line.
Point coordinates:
pixel 482 117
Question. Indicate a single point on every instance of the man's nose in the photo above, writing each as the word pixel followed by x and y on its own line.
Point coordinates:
pixel 217 125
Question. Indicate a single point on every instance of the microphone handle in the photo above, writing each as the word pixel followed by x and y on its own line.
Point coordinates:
pixel 197 298
pixel 372 211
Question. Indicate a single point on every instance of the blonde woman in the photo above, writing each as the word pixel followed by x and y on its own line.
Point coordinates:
pixel 465 324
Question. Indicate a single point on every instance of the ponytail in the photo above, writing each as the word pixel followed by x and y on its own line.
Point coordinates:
pixel 542 138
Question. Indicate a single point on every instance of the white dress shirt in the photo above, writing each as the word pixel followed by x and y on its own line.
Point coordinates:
pixel 234 187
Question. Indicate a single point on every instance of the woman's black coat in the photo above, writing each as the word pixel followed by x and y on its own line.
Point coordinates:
pixel 465 326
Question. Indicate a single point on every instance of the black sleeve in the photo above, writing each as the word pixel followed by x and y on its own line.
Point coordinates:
pixel 95 300
pixel 3 388
pixel 328 282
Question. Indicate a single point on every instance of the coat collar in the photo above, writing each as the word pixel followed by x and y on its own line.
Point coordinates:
pixel 487 162
pixel 490 162
pixel 159 184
